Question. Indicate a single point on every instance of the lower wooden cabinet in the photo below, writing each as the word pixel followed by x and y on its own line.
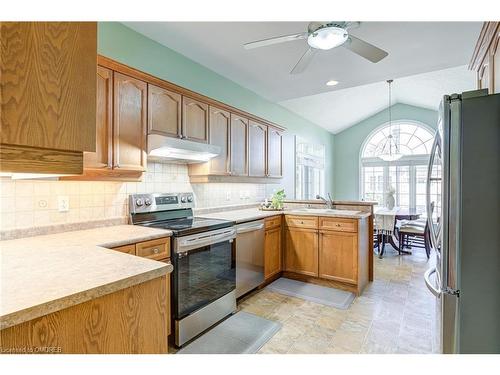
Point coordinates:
pixel 272 247
pixel 301 254
pixel 338 256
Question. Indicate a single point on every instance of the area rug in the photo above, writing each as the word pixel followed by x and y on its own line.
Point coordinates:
pixel 242 333
pixel 337 298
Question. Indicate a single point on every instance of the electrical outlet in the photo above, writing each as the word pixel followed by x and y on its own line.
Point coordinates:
pixel 63 203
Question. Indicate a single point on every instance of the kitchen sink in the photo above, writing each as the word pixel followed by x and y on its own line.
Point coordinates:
pixel 320 211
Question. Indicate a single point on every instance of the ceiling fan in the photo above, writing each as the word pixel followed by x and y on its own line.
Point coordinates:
pixel 325 36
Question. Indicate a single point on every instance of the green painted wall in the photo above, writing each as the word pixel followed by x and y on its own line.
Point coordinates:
pixel 123 44
pixel 348 145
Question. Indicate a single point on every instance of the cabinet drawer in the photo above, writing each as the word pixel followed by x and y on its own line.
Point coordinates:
pixel 302 221
pixel 129 249
pixel 154 249
pixel 338 224
pixel 272 222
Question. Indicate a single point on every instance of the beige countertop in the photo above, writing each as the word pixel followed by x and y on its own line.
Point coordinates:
pixel 43 274
pixel 249 214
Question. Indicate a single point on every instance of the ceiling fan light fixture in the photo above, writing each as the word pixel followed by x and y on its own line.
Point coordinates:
pixel 327 37
pixel 332 83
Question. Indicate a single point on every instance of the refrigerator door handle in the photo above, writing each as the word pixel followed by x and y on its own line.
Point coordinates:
pixel 429 204
pixel 430 285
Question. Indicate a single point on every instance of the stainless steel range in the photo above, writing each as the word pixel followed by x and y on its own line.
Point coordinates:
pixel 204 276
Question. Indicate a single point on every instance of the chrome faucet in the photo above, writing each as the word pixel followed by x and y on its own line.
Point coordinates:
pixel 328 202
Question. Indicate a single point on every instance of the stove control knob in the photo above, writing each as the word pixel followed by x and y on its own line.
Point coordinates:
pixel 190 198
pixel 139 202
pixel 147 202
pixel 183 199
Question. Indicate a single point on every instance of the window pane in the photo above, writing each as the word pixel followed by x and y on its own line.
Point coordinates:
pixel 310 170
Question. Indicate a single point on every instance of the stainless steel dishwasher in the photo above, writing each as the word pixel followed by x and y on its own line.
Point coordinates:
pixel 249 256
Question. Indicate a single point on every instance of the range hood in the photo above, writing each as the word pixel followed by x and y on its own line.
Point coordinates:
pixel 167 149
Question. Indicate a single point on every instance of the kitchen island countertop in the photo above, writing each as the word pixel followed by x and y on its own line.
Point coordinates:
pixel 43 274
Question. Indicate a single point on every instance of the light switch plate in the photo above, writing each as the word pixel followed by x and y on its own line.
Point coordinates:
pixel 63 203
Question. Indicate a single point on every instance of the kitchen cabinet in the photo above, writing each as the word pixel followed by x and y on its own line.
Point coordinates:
pixel 129 126
pixel 257 138
pixel 133 320
pixel 157 249
pixel 486 58
pixel 239 146
pixel 48 94
pixel 164 112
pixel 274 153
pixel 328 250
pixel 301 254
pixel 220 127
pixel 272 247
pixel 338 256
pixel 194 120
pixel 103 155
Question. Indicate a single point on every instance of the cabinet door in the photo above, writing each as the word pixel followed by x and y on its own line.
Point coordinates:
pixel 220 124
pixel 48 88
pixel 257 138
pixel 164 111
pixel 272 252
pixel 274 153
pixel 338 256
pixel 239 146
pixel 301 251
pixel 194 120
pixel 101 158
pixel 129 127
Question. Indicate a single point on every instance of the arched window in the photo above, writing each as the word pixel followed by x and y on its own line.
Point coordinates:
pixel 406 175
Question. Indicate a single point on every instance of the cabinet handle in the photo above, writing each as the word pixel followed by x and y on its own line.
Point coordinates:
pixel 156 250
pixel 301 222
pixel 337 224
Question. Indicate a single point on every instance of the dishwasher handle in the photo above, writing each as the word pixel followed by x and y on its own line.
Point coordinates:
pixel 249 228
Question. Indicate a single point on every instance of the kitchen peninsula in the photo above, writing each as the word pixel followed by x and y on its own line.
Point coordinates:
pixel 69 293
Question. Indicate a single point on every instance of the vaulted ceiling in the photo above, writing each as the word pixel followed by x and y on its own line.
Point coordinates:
pixel 414 48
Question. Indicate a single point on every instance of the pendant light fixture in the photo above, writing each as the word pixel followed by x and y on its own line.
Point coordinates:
pixel 388 149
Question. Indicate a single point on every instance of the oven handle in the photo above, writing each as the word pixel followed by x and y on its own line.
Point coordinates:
pixel 184 245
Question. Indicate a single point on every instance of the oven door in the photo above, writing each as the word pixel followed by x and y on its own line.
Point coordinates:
pixel 204 269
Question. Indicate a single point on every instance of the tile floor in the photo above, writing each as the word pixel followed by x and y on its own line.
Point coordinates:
pixel 395 314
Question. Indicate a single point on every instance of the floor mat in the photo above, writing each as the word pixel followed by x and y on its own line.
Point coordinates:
pixel 242 333
pixel 337 298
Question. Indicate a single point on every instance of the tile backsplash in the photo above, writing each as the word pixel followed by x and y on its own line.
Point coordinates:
pixel 34 203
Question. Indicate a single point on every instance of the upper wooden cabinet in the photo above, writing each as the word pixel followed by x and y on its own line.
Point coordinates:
pixel 48 95
pixel 257 138
pixel 164 112
pixel 274 153
pixel 239 146
pixel 220 130
pixel 194 120
pixel 486 58
pixel 103 155
pixel 129 125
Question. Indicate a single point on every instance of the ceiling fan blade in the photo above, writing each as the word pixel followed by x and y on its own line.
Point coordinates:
pixel 364 49
pixel 304 61
pixel 275 40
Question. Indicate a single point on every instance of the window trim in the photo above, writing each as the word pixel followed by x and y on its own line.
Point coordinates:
pixel 407 160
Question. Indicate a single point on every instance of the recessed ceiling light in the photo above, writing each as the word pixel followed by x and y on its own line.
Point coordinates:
pixel 332 83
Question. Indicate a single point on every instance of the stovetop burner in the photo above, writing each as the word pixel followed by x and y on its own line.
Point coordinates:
pixel 189 225
pixel 171 211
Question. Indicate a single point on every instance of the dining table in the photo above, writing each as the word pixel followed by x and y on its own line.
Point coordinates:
pixel 386 233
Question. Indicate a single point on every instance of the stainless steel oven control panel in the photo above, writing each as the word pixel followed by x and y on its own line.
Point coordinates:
pixel 144 203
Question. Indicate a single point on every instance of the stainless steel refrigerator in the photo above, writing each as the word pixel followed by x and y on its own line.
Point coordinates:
pixel 463 213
